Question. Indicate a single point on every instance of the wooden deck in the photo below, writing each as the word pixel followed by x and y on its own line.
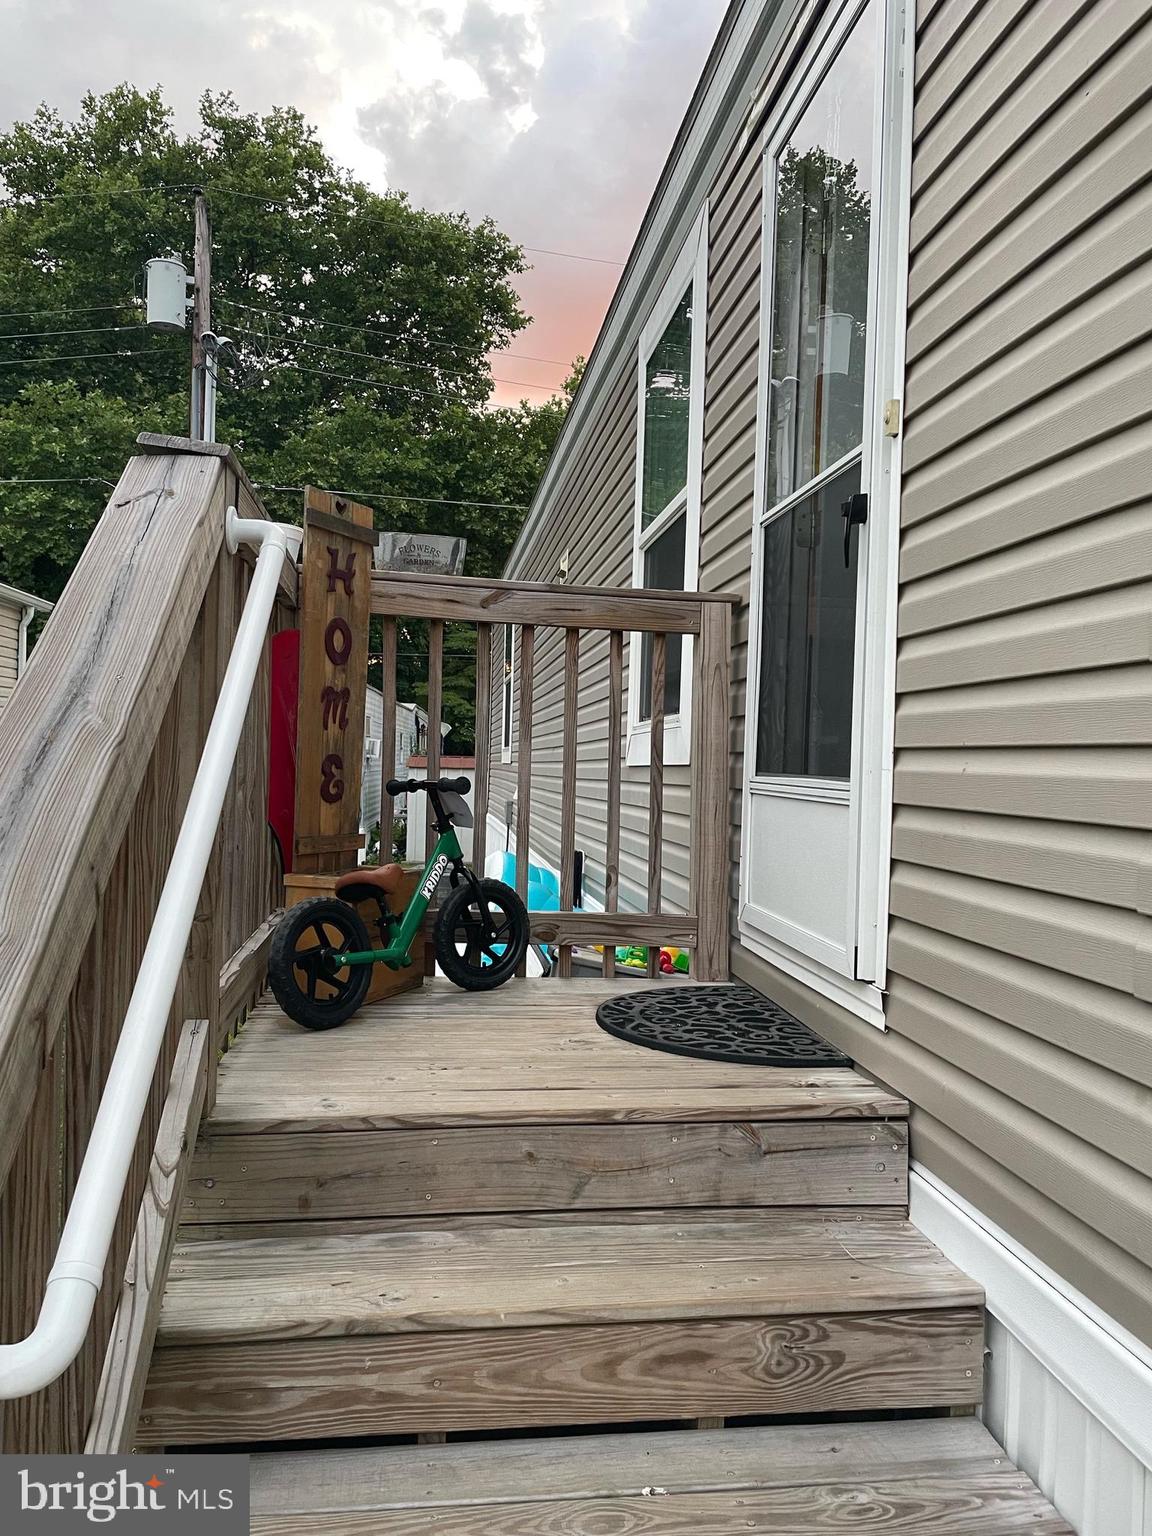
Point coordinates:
pixel 464 1212
pixel 472 1214
pixel 527 1054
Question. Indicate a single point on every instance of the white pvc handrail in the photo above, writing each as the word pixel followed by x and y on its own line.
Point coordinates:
pixel 77 1274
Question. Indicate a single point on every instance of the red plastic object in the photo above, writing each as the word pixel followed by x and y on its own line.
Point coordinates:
pixel 284 668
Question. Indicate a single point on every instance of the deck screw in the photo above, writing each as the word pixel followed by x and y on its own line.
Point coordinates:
pixel 967 1373
pixel 427 1197
pixel 880 1167
pixel 871 1138
pixel 209 1183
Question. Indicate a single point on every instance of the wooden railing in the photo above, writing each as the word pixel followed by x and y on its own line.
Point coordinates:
pixel 98 748
pixel 532 607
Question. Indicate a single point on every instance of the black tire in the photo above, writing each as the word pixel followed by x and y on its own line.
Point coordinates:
pixel 467 955
pixel 303 982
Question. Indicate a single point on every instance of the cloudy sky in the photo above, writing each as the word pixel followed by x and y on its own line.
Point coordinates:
pixel 553 116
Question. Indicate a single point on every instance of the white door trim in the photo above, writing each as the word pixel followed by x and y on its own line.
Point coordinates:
pixel 874 722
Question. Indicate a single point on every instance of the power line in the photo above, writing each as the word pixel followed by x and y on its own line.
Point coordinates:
pixel 71 309
pixel 437 501
pixel 393 362
pixel 62 480
pixel 66 197
pixel 351 378
pixel 86 330
pixel 274 202
pixel 72 357
pixel 369 218
pixel 600 261
pixel 370 330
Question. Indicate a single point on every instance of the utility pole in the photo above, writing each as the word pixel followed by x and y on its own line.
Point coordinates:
pixel 203 411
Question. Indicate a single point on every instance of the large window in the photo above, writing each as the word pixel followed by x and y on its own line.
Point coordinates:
pixel 667 524
pixel 821 242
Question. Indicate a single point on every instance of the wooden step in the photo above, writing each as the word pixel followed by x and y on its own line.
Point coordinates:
pixel 593 1319
pixel 352 1174
pixel 530 1054
pixel 919 1478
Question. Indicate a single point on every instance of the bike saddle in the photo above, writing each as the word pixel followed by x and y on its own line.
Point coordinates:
pixel 386 878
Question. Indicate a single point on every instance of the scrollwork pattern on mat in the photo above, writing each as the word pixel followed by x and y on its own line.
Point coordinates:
pixel 730 1023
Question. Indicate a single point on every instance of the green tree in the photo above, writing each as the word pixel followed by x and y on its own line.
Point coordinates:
pixel 321 283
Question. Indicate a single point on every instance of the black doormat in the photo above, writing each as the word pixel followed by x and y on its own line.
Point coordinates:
pixel 719 1024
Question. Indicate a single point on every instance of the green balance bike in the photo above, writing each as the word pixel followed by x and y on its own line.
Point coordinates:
pixel 320 964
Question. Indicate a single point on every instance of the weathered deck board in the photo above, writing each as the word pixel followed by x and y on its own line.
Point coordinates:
pixel 530 1053
pixel 430 1279
pixel 884 1221
pixel 988 1504
pixel 521 1377
pixel 540 1168
pixel 618 1466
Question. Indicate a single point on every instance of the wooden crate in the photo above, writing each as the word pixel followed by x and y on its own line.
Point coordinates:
pixel 385 981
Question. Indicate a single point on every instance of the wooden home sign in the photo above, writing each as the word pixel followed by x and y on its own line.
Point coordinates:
pixel 335 596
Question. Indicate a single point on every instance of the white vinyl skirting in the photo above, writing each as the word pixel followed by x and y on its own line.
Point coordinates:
pixel 1068 1392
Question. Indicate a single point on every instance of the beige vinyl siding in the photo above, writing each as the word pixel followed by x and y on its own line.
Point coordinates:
pixel 9 643
pixel 1020 963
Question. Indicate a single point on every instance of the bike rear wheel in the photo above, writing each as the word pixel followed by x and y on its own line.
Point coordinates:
pixel 304 981
pixel 481 935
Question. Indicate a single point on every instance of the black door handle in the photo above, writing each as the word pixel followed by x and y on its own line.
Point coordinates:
pixel 854 510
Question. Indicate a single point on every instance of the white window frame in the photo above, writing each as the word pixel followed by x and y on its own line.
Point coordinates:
pixel 873 728
pixel 508 662
pixel 690 270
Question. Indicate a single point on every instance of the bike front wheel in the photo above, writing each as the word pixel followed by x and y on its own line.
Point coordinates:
pixel 304 979
pixel 481 935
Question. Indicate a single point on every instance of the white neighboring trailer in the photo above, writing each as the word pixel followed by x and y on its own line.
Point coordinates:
pixel 411 737
pixel 17 610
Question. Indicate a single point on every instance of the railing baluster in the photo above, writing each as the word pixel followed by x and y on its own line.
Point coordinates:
pixel 615 753
pixel 710 871
pixel 435 708
pixel 483 745
pixel 656 786
pixel 568 788
pixel 387 736
pixel 527 655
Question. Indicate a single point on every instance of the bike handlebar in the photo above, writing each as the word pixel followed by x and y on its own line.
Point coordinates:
pixel 460 786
